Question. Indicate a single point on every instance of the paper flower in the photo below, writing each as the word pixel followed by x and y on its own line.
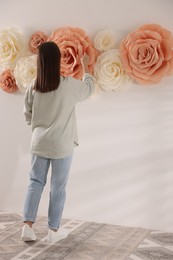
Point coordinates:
pixel 11 47
pixel 73 43
pixel 109 71
pixel 7 81
pixel 147 54
pixel 104 40
pixel 25 72
pixel 35 40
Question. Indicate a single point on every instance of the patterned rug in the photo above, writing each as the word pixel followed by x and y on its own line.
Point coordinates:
pixel 86 241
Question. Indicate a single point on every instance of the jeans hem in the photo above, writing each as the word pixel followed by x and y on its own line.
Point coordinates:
pixel 29 219
pixel 53 227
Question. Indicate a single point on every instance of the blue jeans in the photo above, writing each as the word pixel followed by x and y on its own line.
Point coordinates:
pixel 38 178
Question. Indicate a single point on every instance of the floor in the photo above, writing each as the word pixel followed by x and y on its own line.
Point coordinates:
pixel 86 241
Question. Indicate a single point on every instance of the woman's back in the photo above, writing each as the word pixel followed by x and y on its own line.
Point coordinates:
pixel 53 118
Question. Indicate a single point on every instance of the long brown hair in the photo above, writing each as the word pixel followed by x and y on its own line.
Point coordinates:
pixel 48 67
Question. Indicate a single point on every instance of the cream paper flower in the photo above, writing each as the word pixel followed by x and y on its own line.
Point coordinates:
pixel 25 72
pixel 104 40
pixel 11 47
pixel 109 72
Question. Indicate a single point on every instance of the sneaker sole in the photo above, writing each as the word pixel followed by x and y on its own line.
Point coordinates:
pixel 51 241
pixel 27 239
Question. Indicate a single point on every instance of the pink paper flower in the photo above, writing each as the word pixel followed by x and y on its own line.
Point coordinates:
pixel 73 43
pixel 35 41
pixel 147 54
pixel 7 81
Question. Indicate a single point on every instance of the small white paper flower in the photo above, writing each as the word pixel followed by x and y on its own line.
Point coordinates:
pixel 109 71
pixel 11 47
pixel 25 72
pixel 104 40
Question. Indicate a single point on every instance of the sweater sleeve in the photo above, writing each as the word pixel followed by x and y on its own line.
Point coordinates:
pixel 28 101
pixel 85 88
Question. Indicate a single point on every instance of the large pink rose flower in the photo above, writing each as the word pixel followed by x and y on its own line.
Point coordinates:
pixel 35 40
pixel 147 54
pixel 73 43
pixel 7 81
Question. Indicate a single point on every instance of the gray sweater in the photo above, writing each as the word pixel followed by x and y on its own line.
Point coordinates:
pixel 52 116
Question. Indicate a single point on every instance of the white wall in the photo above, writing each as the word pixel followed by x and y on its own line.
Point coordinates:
pixel 122 172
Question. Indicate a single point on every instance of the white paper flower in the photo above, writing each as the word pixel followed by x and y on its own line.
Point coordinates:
pixel 109 71
pixel 11 47
pixel 25 72
pixel 104 40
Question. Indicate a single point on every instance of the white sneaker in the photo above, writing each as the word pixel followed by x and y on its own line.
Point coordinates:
pixel 54 237
pixel 28 233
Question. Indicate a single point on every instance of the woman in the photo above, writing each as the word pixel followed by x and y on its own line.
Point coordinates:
pixel 50 110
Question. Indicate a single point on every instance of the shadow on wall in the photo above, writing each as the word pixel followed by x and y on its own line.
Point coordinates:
pixel 129 191
pixel 14 142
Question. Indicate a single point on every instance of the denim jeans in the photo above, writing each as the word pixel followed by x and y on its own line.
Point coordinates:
pixel 38 177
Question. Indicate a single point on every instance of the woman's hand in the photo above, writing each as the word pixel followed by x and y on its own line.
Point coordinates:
pixel 85 62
